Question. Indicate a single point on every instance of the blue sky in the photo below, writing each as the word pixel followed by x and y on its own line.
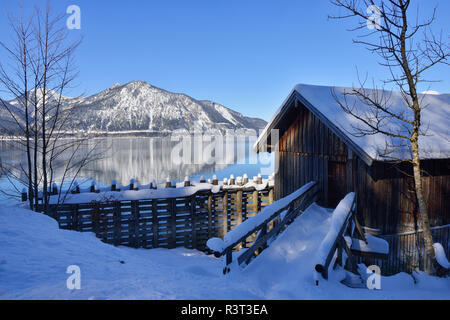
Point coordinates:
pixel 244 54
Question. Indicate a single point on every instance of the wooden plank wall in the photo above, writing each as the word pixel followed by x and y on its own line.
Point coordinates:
pixel 305 149
pixel 308 150
pixel 175 222
pixel 388 203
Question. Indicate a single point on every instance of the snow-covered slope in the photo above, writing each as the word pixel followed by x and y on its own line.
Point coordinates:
pixel 12 113
pixel 139 106
pixel 10 117
pixel 35 254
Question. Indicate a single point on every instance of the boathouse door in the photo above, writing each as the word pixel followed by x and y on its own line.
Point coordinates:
pixel 337 182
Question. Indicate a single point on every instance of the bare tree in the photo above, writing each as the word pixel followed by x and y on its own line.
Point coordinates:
pixel 40 70
pixel 407 48
pixel 19 86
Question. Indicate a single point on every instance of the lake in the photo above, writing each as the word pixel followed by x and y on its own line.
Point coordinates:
pixel 148 158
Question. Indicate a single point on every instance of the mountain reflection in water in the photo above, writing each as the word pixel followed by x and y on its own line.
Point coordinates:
pixel 148 158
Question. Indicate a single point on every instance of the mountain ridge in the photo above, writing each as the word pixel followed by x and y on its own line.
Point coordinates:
pixel 138 106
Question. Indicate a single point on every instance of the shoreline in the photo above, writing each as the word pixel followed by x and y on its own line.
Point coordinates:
pixel 137 134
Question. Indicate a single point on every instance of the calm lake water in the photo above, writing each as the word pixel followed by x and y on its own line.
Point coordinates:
pixel 148 158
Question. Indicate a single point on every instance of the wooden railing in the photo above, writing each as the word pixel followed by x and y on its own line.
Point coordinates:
pixel 346 235
pixel 265 226
pixel 336 241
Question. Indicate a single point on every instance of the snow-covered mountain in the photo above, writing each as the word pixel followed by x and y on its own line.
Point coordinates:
pixel 139 106
pixel 10 117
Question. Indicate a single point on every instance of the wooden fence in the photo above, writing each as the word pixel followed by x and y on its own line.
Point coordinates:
pixel 165 222
pixel 404 253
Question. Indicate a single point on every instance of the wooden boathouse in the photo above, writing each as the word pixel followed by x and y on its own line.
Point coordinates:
pixel 312 140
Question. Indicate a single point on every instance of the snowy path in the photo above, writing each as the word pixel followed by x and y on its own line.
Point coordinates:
pixel 34 255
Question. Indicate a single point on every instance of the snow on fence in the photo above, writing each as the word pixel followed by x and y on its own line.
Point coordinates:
pixel 72 195
pixel 186 214
pixel 271 221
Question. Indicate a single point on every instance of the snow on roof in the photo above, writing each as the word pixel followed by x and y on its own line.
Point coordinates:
pixel 322 100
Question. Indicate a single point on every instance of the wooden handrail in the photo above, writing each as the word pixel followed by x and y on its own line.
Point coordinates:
pixel 344 240
pixel 323 266
pixel 306 195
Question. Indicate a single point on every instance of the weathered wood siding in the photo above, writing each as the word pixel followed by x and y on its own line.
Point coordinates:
pixel 308 150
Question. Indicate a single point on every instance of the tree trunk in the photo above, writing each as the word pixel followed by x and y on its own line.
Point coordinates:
pixel 35 155
pixel 44 113
pixel 428 257
pixel 27 125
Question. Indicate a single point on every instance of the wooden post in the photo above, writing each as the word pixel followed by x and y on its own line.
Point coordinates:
pixel 228 260
pixel 215 182
pixel 187 183
pixel 54 189
pixel 92 189
pixel 270 195
pixel 239 210
pixel 225 213
pixel 259 179
pixel 270 201
pixel 24 195
pixel 194 222
pixel 202 179
pixel 75 218
pixel 117 223
pixel 232 180
pixel 168 183
pixel 255 201
pixel 358 228
pixel 173 222
pixel 154 224
pixel 245 178
pixel 261 235
pixel 132 184
pixel 352 265
pixel 210 211
pixel 77 188
pixel 131 224
pixel 114 185
pixel 339 257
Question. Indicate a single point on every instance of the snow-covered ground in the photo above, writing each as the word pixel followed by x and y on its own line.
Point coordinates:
pixel 35 254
